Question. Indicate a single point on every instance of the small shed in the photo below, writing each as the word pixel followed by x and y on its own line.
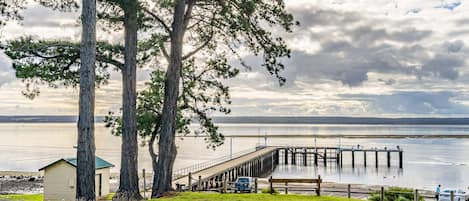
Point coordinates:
pixel 60 179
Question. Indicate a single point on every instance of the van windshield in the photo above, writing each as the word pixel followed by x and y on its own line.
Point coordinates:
pixel 243 180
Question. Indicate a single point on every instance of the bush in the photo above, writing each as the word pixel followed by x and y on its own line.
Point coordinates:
pixel 268 191
pixel 395 194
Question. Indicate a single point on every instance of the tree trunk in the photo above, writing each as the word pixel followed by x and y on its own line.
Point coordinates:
pixel 153 155
pixel 167 146
pixel 128 183
pixel 85 187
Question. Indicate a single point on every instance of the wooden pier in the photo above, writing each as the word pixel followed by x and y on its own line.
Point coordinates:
pixel 263 161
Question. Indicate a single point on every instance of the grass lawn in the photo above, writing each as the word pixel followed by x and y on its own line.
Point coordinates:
pixel 249 197
pixel 29 197
pixel 208 197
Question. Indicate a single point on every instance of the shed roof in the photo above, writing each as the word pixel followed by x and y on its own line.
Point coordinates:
pixel 99 163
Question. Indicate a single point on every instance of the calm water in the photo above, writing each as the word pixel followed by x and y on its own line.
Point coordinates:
pixel 427 162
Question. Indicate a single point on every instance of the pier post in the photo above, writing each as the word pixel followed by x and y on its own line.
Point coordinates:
pixel 364 158
pixel 341 158
pixel 337 157
pixel 277 157
pixel 293 156
pixel 400 159
pixel 316 158
pixel 325 157
pixel 305 160
pixel 389 159
pixel 376 158
pixel 286 156
pixel 353 159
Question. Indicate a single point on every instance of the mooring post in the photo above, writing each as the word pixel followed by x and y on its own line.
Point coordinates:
pixel 389 159
pixel 400 159
pixel 364 158
pixel 376 158
pixel 349 192
pixel 382 194
pixel 189 183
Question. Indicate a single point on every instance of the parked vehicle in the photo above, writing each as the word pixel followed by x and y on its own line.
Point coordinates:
pixel 244 184
pixel 459 195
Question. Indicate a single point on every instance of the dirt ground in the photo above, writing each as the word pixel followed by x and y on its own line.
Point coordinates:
pixel 21 184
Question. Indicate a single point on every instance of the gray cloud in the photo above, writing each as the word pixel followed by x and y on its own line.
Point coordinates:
pixel 40 16
pixel 353 52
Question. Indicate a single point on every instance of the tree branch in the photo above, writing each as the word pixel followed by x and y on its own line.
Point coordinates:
pixel 165 26
pixel 187 15
pixel 193 52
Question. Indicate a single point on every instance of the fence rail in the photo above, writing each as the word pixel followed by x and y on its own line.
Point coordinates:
pixel 200 166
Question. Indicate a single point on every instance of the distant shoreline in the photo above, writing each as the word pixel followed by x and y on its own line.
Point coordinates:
pixel 266 120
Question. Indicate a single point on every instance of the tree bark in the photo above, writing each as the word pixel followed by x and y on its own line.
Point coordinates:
pixel 85 188
pixel 167 146
pixel 128 183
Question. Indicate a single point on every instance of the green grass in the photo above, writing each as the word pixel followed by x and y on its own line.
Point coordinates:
pixel 28 197
pixel 249 197
pixel 208 197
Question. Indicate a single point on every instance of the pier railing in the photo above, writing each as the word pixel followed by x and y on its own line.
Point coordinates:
pixel 179 173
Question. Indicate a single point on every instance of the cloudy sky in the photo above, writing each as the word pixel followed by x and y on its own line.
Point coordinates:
pixel 384 58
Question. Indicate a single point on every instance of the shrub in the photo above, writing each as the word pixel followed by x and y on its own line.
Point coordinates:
pixel 395 194
pixel 268 191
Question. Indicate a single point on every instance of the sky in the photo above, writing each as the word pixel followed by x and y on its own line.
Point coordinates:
pixel 382 58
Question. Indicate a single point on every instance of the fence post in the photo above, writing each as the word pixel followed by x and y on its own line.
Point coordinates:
pixel 271 186
pixel 144 184
pixel 349 193
pixel 318 192
pixel 382 194
pixel 416 195
pixel 199 184
pixel 452 195
pixel 255 185
pixel 286 188
pixel 189 183
pixel 225 186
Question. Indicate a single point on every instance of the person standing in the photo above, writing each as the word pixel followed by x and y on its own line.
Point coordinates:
pixel 437 192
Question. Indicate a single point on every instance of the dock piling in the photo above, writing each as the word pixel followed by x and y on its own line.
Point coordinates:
pixel 389 159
